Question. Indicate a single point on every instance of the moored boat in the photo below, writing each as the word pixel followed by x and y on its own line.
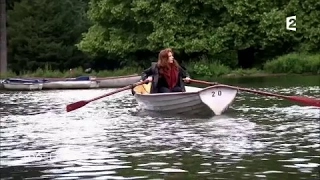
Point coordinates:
pixel 213 100
pixel 118 81
pixel 86 84
pixel 89 82
pixel 1 84
pixel 22 84
pixel 81 82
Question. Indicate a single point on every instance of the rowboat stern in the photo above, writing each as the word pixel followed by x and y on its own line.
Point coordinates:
pixel 218 98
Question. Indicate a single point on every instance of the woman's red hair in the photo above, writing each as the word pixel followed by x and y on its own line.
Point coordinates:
pixel 163 60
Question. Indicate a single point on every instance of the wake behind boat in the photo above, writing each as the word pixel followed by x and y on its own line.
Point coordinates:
pixel 213 100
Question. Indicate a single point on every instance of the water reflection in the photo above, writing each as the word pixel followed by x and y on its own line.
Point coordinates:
pixel 259 137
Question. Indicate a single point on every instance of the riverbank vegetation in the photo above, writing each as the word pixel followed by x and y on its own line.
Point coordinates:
pixel 75 72
pixel 211 39
pixel 294 63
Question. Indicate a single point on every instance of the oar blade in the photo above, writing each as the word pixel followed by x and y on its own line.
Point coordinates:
pixel 305 100
pixel 76 105
pixel 79 104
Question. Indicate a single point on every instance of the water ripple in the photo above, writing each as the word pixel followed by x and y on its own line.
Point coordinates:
pixel 110 139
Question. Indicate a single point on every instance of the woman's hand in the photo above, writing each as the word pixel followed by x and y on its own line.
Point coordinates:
pixel 149 79
pixel 187 80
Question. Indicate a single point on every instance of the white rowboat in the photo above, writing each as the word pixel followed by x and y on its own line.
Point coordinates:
pixel 1 84
pixel 213 100
pixel 81 82
pixel 22 86
pixel 70 84
pixel 118 81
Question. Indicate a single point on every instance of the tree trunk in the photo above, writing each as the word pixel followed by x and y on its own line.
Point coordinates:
pixel 3 37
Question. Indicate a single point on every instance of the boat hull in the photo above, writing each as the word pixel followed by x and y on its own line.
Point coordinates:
pixel 213 100
pixel 23 86
pixel 187 105
pixel 82 82
pixel 116 82
pixel 70 85
pixel 1 84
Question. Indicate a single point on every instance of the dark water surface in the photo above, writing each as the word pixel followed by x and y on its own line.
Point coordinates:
pixel 258 138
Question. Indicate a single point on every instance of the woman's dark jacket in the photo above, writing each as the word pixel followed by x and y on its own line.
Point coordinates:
pixel 154 72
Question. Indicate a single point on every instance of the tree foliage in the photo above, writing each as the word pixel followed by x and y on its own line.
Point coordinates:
pixel 206 26
pixel 130 32
pixel 45 32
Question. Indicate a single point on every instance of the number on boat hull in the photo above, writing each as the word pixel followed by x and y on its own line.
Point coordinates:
pixel 219 93
pixel 218 99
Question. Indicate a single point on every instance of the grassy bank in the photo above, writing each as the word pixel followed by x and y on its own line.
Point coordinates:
pixel 294 63
pixel 48 73
pixel 215 69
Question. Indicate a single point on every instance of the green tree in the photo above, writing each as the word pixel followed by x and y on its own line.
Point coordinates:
pixel 45 32
pixel 3 37
pixel 252 29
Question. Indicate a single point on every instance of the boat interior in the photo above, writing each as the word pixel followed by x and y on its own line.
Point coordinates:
pixel 143 89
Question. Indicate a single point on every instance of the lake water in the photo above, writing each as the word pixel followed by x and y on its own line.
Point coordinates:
pixel 257 138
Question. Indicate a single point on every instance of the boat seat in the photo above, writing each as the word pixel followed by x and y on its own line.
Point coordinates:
pixel 143 89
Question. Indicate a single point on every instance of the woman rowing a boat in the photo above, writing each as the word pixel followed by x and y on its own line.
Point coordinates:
pixel 166 75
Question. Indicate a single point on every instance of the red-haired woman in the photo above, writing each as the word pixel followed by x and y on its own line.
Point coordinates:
pixel 166 75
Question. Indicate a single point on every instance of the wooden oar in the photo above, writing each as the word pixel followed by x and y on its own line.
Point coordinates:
pixel 299 99
pixel 79 104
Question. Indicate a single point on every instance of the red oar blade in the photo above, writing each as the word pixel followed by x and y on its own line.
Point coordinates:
pixel 305 100
pixel 76 105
